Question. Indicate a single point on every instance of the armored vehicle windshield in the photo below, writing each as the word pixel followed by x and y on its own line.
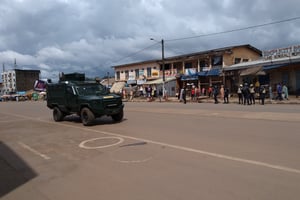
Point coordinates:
pixel 91 89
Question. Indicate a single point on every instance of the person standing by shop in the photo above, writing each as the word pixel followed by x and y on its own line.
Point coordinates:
pixel 240 95
pixel 262 94
pixel 149 93
pixel 184 94
pixel 216 93
pixel 210 90
pixel 222 92
pixel 226 95
pixel 131 94
pixel 160 94
pixel 252 94
pixel 246 94
pixel 279 92
pixel 193 93
pixel 285 92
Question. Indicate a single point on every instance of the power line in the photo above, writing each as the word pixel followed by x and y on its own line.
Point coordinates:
pixel 212 34
pixel 133 54
pixel 235 30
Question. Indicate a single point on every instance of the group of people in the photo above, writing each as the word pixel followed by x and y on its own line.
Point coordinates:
pixel 224 94
pixel 247 94
pixel 150 91
pixel 282 92
pixel 194 92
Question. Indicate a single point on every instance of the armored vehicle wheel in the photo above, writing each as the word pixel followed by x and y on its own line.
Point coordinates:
pixel 87 117
pixel 57 114
pixel 118 117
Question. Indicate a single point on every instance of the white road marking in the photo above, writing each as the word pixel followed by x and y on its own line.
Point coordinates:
pixel 216 155
pixel 25 146
pixel 222 156
pixel 84 146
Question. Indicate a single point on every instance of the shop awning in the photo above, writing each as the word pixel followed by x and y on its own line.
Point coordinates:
pixel 117 86
pixel 251 71
pixel 189 78
pixel 268 67
pixel 160 81
pixel 213 72
pixel 203 73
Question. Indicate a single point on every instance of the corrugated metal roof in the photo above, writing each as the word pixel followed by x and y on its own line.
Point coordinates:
pixel 261 62
pixel 251 71
pixel 191 55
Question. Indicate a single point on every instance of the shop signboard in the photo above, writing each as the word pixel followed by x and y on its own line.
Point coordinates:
pixel 282 52
pixel 190 71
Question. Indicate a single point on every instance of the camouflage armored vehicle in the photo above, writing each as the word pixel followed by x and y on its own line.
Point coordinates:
pixel 88 99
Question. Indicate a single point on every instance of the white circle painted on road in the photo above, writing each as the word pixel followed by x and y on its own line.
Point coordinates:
pixel 85 143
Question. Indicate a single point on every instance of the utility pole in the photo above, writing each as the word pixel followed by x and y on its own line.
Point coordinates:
pixel 163 62
pixel 163 59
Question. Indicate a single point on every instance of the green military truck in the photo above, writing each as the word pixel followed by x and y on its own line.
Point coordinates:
pixel 88 99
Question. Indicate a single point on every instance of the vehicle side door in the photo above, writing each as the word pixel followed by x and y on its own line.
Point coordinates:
pixel 71 99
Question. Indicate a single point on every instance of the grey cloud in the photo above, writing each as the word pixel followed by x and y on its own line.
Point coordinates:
pixel 90 36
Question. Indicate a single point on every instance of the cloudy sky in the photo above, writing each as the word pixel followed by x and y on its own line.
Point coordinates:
pixel 90 36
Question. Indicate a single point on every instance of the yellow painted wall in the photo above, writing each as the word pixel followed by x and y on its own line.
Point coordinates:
pixel 240 52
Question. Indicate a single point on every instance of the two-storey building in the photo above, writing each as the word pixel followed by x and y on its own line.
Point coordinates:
pixel 200 69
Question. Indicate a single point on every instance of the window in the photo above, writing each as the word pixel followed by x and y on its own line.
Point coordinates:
pixel 149 70
pixel 203 64
pixel 237 60
pixel 217 60
pixel 89 90
pixel 118 75
pixel 245 60
pixel 187 65
pixel 136 73
pixel 126 74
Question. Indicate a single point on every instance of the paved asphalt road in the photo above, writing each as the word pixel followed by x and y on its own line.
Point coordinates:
pixel 159 151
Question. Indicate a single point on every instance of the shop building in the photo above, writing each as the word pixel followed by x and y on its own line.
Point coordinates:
pixel 277 66
pixel 201 69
